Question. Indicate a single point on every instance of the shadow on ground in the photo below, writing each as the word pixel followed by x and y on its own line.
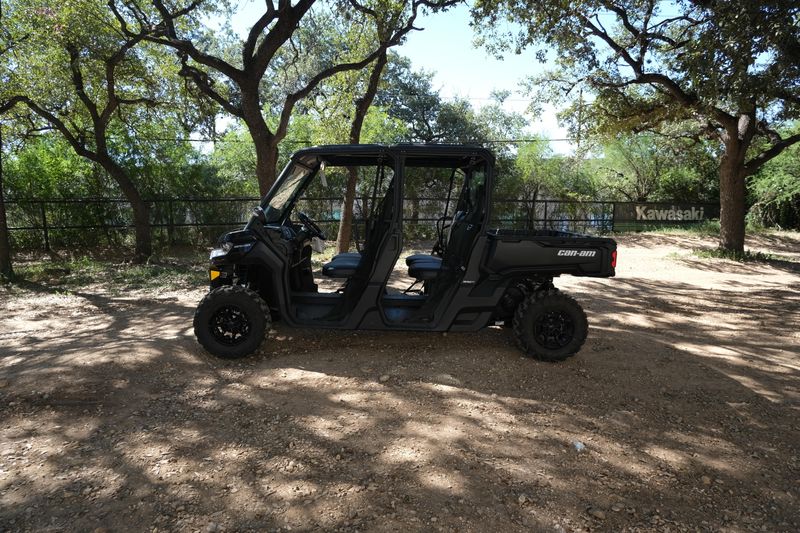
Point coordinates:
pixel 685 399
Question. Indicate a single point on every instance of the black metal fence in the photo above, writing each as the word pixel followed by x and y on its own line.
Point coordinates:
pixel 90 221
pixel 198 221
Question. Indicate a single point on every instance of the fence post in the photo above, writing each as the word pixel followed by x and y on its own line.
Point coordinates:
pixel 171 226
pixel 613 210
pixel 545 215
pixel 44 226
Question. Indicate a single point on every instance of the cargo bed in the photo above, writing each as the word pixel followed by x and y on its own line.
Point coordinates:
pixel 549 253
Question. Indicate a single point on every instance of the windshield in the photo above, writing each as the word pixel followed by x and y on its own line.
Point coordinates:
pixel 275 208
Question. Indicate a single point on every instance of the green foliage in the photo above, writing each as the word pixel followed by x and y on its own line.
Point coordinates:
pixel 408 96
pixel 649 167
pixel 746 256
pixel 143 136
pixel 775 190
pixel 234 158
pixel 718 53
pixel 380 127
pixel 706 228
pixel 539 174
pixel 727 70
pixel 53 41
pixel 47 167
pixel 535 171
pixel 82 271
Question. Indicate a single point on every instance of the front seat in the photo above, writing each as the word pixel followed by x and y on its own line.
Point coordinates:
pixel 342 266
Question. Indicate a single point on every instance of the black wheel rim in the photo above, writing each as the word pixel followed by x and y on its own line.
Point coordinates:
pixel 230 325
pixel 554 329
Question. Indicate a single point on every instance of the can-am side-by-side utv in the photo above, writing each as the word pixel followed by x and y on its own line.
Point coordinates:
pixel 477 274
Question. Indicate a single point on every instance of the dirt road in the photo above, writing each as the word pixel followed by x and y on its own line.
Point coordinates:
pixel 681 413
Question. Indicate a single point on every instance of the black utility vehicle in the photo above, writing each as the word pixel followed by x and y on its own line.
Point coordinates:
pixel 476 275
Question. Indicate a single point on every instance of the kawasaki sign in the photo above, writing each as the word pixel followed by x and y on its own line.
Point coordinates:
pixel 644 213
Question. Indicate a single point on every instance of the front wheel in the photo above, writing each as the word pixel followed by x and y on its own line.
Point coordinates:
pixel 550 326
pixel 231 321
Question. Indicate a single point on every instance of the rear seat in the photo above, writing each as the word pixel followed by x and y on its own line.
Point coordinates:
pixel 425 270
pixel 423 266
pixel 425 258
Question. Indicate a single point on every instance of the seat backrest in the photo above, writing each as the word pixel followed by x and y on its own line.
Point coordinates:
pixel 466 223
pixel 380 222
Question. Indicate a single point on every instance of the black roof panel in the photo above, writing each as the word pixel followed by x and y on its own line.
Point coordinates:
pixel 427 154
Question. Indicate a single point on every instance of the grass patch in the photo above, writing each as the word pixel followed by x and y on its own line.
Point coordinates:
pixel 707 228
pixel 318 259
pixel 676 255
pixel 748 256
pixel 85 271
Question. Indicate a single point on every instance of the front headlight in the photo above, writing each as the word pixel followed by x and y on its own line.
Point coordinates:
pixel 228 247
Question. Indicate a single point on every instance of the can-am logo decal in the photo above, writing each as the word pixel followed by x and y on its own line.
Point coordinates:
pixel 644 212
pixel 577 253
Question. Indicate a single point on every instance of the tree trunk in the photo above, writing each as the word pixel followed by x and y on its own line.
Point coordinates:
pixel 266 165
pixel 346 222
pixel 265 142
pixel 732 191
pixel 362 106
pixel 141 223
pixel 6 268
pixel 141 211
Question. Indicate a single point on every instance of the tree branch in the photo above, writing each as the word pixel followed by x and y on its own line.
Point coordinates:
pixel 111 79
pixel 614 45
pixel 203 82
pixel 288 19
pixel 363 9
pixel 80 88
pixel 149 102
pixel 9 104
pixel 652 78
pixel 365 101
pixel 758 161
pixel 252 37
pixel 165 33
pixel 393 40
pixel 783 94
pixel 77 142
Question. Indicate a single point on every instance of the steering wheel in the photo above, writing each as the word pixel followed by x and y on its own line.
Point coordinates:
pixel 310 225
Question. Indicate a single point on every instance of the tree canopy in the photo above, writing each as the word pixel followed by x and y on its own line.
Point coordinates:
pixel 731 70
pixel 687 100
pixel 81 76
pixel 287 53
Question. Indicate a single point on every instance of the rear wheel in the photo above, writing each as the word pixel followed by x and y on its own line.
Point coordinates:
pixel 231 321
pixel 550 326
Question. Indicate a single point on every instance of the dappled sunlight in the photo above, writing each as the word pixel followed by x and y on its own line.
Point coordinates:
pixel 761 389
pixel 683 399
pixel 442 480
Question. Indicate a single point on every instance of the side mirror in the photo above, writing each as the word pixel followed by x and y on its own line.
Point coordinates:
pixel 258 214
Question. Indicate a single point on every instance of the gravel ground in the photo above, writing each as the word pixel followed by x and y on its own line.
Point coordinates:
pixel 679 414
